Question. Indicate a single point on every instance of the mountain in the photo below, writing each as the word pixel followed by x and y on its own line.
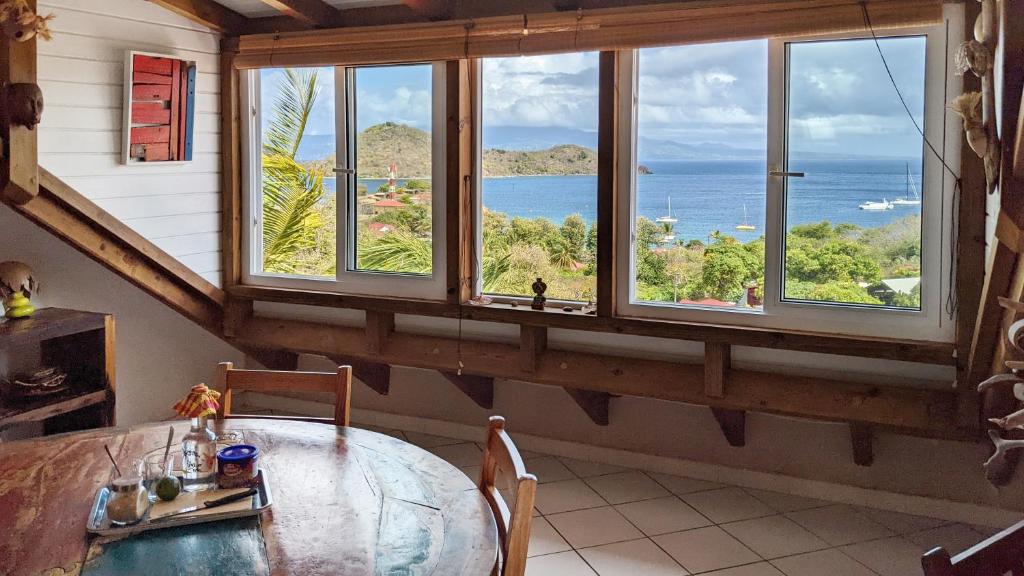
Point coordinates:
pixel 561 160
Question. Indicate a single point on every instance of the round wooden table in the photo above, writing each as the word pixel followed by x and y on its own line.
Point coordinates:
pixel 346 501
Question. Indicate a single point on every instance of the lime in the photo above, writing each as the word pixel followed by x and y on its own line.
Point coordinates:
pixel 168 488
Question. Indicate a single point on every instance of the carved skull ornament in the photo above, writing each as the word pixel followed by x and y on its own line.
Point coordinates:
pixel 24 103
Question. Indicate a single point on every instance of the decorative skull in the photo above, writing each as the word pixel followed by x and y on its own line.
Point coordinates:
pixel 24 104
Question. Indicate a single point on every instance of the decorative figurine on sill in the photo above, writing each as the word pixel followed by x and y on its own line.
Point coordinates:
pixel 199 446
pixel 539 287
pixel 20 23
pixel 17 284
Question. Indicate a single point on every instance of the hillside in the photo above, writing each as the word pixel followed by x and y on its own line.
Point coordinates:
pixel 409 147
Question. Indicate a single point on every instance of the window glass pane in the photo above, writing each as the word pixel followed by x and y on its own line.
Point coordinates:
pixel 540 175
pixel 700 182
pixel 298 206
pixel 391 191
pixel 853 223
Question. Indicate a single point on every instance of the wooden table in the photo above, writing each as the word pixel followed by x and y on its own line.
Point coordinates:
pixel 346 501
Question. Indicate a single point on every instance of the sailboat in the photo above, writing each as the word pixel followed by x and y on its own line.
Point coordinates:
pixel 746 224
pixel 883 205
pixel 911 187
pixel 670 219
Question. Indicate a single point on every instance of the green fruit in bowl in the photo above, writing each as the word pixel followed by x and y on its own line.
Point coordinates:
pixel 168 488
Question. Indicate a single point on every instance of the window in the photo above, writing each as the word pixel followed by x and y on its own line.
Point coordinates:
pixel 357 146
pixel 539 175
pixel 800 188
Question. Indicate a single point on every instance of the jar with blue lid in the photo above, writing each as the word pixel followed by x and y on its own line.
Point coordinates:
pixel 236 466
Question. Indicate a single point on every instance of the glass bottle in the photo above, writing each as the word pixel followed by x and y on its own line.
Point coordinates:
pixel 199 457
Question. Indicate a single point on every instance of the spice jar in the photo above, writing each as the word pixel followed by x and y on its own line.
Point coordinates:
pixel 127 502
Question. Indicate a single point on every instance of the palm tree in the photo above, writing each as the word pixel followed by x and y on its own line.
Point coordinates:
pixel 397 251
pixel 291 191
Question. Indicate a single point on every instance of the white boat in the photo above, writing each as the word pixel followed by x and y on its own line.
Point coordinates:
pixel 907 200
pixel 883 205
pixel 670 219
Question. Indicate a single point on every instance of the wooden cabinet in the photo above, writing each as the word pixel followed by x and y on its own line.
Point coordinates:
pixel 80 344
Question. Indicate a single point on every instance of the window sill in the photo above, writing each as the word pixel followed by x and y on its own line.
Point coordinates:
pixel 940 353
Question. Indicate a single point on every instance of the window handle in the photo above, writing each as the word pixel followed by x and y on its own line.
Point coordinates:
pixel 344 171
pixel 786 174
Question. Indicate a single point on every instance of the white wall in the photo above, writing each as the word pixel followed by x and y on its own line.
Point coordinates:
pixel 81 72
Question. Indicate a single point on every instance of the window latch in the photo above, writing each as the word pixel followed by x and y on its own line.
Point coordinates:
pixel 344 171
pixel 786 174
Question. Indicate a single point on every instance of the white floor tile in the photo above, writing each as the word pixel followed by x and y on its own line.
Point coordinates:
pixel 633 558
pixel 585 469
pixel 840 524
pixel 705 549
pixel 548 469
pixel 759 569
pixel 430 441
pixel 774 536
pixel 781 502
pixel 466 454
pixel 561 564
pixel 955 538
pixel 566 496
pixel 626 487
pixel 662 515
pixel 901 523
pixel 887 557
pixel 727 505
pixel 544 539
pixel 682 484
pixel 593 527
pixel 823 562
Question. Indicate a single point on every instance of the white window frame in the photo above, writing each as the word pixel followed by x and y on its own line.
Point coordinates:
pixel 931 322
pixel 348 280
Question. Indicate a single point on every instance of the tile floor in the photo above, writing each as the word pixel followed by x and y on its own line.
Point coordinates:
pixel 594 519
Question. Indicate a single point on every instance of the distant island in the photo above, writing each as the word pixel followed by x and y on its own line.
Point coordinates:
pixel 382 144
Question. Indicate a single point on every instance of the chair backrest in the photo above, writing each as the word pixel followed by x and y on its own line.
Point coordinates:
pixel 503 472
pixel 230 380
pixel 994 556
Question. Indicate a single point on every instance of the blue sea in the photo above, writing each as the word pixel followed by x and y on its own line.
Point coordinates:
pixel 709 196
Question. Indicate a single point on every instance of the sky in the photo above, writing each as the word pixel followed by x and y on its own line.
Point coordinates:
pixel 841 100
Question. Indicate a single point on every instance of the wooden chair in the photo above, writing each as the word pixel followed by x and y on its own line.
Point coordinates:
pixel 995 556
pixel 230 380
pixel 503 471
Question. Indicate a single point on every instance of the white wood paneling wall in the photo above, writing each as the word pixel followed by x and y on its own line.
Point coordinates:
pixel 81 72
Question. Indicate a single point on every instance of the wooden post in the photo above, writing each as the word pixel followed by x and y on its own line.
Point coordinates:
pixel 230 166
pixel 379 326
pixel 607 146
pixel 459 144
pixel 532 342
pixel 237 311
pixel 717 362
pixel 733 424
pixel 19 157
pixel 862 440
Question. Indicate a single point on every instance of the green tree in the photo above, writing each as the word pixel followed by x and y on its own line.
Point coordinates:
pixel 398 251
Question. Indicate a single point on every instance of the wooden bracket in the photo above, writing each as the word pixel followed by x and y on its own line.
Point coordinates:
pixel 237 311
pixel 374 374
pixel 595 404
pixel 717 362
pixel 480 389
pixel 19 155
pixel 379 326
pixel 533 340
pixel 733 424
pixel 274 359
pixel 862 439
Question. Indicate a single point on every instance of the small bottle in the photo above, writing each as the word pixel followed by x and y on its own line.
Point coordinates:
pixel 127 502
pixel 199 457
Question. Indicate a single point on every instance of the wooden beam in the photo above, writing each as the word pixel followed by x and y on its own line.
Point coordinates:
pixel 862 440
pixel 480 389
pixel 607 147
pixel 1001 269
pixel 207 13
pixel 237 311
pixel 733 424
pixel 312 12
pixel 717 363
pixel 19 156
pixel 459 142
pixel 230 166
pixel 379 326
pixel 886 403
pixel 375 375
pixel 533 340
pixel 595 404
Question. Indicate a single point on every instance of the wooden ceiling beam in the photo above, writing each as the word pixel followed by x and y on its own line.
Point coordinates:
pixel 208 13
pixel 310 12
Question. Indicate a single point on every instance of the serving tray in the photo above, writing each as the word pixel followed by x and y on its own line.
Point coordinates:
pixel 99 523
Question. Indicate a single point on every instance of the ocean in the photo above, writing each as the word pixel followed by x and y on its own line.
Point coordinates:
pixel 709 196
